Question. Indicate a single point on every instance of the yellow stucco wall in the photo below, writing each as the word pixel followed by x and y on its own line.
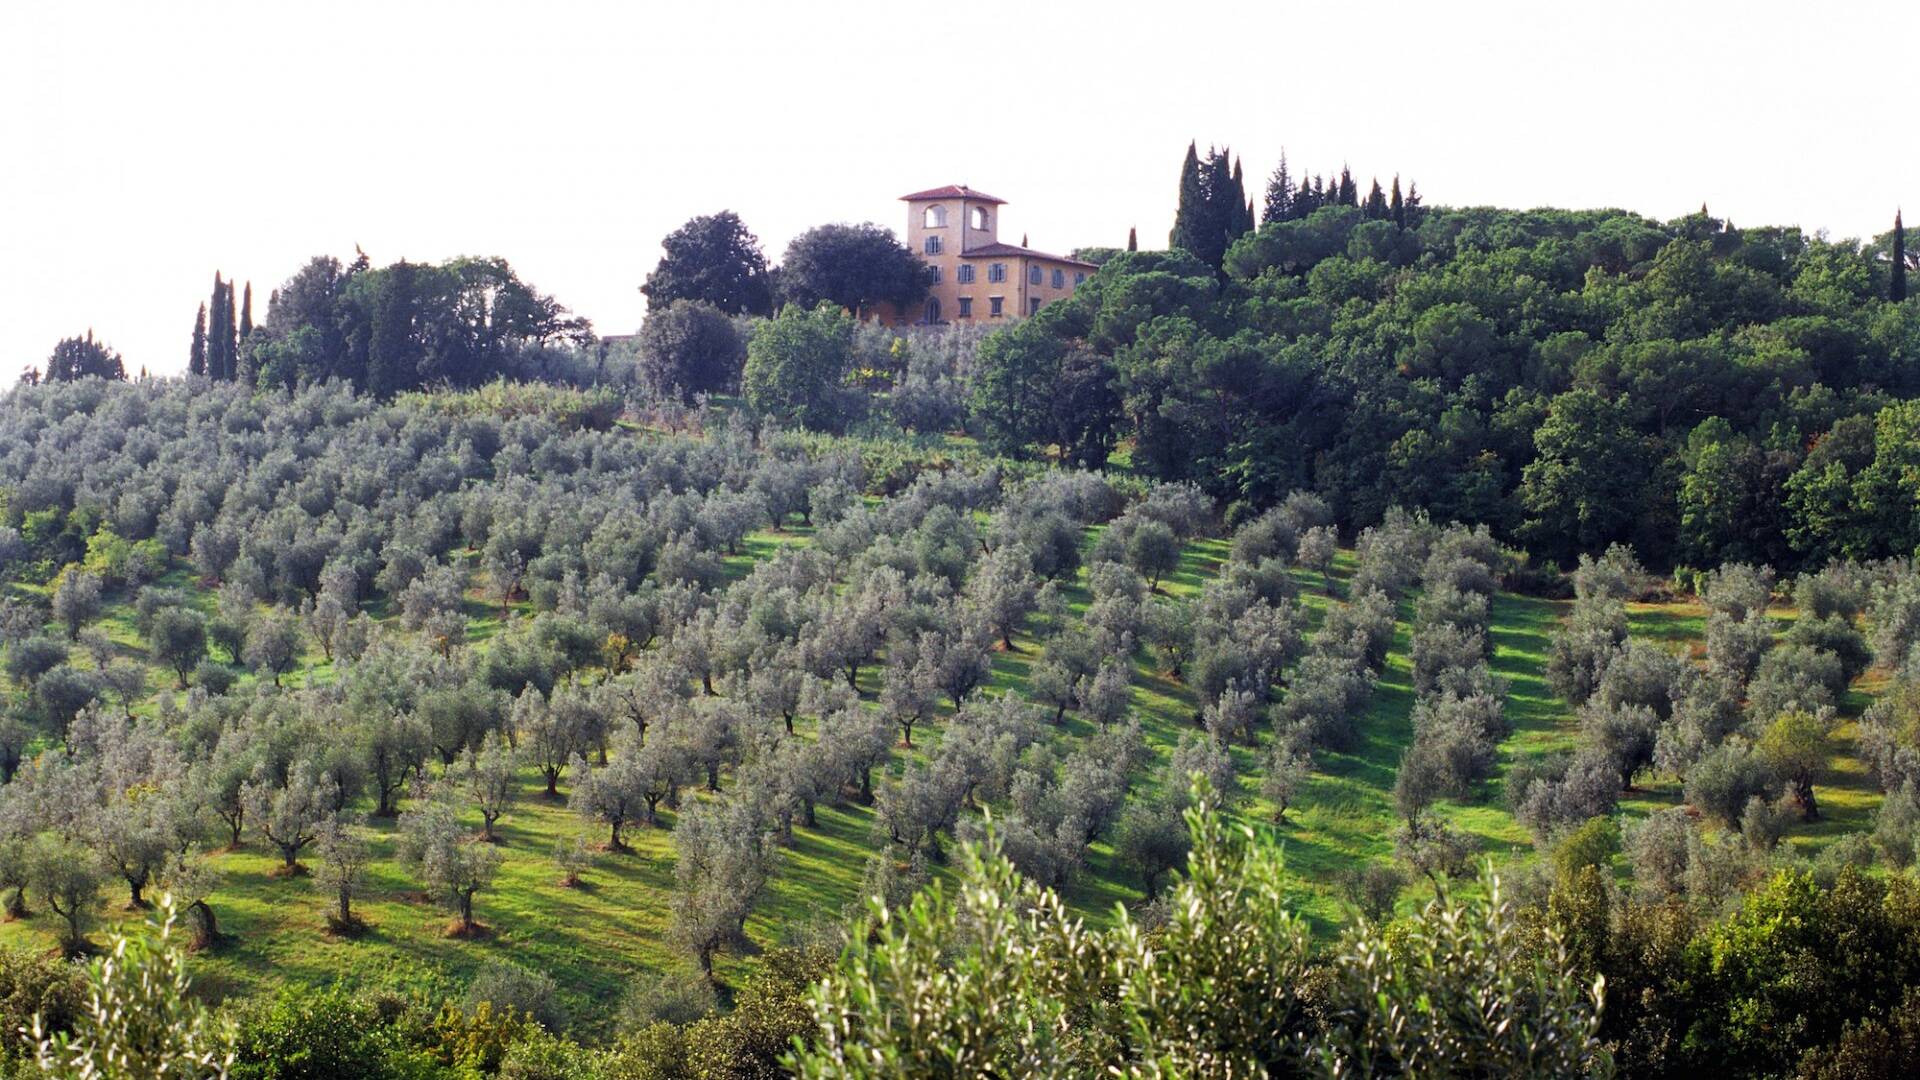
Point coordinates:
pixel 1017 292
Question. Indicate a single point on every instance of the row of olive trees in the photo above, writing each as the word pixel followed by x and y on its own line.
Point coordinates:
pixel 1749 733
pixel 664 684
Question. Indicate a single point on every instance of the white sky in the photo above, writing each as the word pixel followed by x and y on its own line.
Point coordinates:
pixel 145 145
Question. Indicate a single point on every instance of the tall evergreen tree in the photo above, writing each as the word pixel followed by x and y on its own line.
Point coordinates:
pixel 197 356
pixel 1193 202
pixel 229 333
pixel 80 358
pixel 217 317
pixel 1210 207
pixel 1897 287
pixel 1396 208
pixel 1241 220
pixel 1133 239
pixel 246 312
pixel 1349 194
pixel 1375 207
pixel 1279 193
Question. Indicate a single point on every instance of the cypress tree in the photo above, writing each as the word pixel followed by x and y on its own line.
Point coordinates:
pixel 1349 195
pixel 1241 215
pixel 246 312
pixel 1133 239
pixel 1279 193
pixel 197 356
pixel 1192 201
pixel 1897 288
pixel 1376 205
pixel 216 318
pixel 1222 207
pixel 1209 209
pixel 1396 208
pixel 229 336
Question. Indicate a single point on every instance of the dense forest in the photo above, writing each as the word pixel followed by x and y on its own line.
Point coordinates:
pixel 1377 639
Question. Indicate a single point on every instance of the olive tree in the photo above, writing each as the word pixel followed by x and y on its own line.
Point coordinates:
pixel 344 857
pixel 76 600
pixel 179 640
pixel 489 776
pixel 290 811
pixel 1797 745
pixel 1318 545
pixel 617 794
pixel 433 845
pixel 1152 838
pixel 724 856
pixel 67 878
pixel 273 644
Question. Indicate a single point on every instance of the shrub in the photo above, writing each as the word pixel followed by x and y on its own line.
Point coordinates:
pixel 1738 588
pixel 1838 590
pixel 678 997
pixel 1657 850
pixel 216 677
pixel 1594 843
pixel 543 1056
pixel 1721 782
pixel 1737 643
pixel 141 1018
pixel 33 984
pixel 1580 651
pixel 1795 678
pixel 1872 1048
pixel 1561 792
pixel 523 991
pixel 1615 575
pixel 1461 990
pixel 324 1035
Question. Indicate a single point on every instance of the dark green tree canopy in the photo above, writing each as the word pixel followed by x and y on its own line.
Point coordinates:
pixel 82 358
pixel 689 347
pixel 797 366
pixel 1034 387
pixel 714 260
pixel 403 326
pixel 197 353
pixel 856 267
pixel 1213 211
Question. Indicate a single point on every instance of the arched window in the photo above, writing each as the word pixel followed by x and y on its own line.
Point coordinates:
pixel 980 218
pixel 933 309
pixel 936 217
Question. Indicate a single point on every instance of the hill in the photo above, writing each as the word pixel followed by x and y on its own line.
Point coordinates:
pixel 490 558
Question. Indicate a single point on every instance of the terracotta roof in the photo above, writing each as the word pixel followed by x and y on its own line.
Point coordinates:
pixel 951 191
pixel 1010 250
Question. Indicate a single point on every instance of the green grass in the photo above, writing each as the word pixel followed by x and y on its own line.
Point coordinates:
pixel 612 932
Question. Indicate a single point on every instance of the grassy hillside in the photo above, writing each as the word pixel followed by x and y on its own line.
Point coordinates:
pixel 610 933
